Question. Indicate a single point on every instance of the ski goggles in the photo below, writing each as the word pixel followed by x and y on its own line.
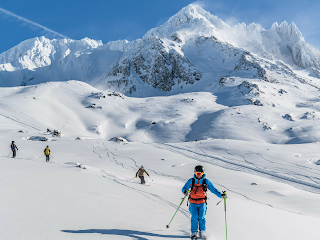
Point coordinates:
pixel 198 173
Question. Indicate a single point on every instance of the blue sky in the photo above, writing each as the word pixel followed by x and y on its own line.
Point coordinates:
pixel 130 19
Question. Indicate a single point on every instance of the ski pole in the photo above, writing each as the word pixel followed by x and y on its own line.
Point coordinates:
pixel 225 215
pixel 40 157
pixel 9 154
pixel 150 178
pixel 177 210
pixel 225 212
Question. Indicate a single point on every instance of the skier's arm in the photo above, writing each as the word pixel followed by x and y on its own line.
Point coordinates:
pixel 137 173
pixel 213 189
pixel 146 173
pixel 187 185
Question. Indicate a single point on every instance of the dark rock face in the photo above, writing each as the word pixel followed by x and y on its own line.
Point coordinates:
pixel 249 88
pixel 247 63
pixel 154 65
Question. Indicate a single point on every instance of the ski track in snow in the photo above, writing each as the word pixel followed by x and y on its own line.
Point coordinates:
pixel 151 196
pixel 154 197
pixel 147 194
pixel 309 184
pixel 20 122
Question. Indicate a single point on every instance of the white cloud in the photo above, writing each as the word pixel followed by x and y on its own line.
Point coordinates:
pixel 30 22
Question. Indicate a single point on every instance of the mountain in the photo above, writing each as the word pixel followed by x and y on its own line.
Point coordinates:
pixel 191 49
pixel 265 82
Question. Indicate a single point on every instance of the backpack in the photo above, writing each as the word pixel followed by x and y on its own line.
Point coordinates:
pixel 204 188
pixel 47 151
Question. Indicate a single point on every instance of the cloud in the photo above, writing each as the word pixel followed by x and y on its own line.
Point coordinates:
pixel 11 14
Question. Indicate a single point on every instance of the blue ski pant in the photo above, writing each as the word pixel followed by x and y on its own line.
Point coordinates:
pixel 198 213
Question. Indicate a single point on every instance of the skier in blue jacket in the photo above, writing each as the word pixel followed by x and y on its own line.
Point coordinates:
pixel 14 148
pixel 198 200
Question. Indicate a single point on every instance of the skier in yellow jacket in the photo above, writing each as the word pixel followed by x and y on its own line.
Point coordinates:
pixel 140 173
pixel 47 153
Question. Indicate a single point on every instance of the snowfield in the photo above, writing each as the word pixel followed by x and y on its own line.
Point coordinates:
pixel 242 101
pixel 88 190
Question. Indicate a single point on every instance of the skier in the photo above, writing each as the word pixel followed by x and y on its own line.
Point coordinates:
pixel 198 200
pixel 140 173
pixel 47 153
pixel 13 148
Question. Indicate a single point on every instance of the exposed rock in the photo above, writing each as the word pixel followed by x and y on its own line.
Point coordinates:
pixel 120 140
pixel 288 117
pixel 249 88
pixel 38 138
pixel 116 94
pixel 154 65
pixel 316 72
pixel 22 131
pixel 282 91
pixel 56 133
pixel 250 63
pixel 310 115
pixel 257 103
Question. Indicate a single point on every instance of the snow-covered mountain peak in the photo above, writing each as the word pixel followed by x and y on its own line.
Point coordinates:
pixel 289 32
pixel 40 51
pixel 191 20
pixel 282 42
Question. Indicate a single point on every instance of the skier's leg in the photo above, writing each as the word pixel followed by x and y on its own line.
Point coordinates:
pixel 143 181
pixel 202 216
pixel 14 153
pixel 194 210
pixel 141 178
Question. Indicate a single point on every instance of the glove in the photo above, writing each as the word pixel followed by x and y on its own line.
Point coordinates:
pixel 224 195
pixel 185 192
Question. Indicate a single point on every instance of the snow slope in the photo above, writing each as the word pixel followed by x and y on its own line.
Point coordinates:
pixel 242 101
pixel 273 189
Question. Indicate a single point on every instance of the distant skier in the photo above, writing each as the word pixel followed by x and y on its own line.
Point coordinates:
pixel 47 153
pixel 198 200
pixel 140 173
pixel 13 148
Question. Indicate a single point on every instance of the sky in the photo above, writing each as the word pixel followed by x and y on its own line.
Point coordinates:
pixel 126 19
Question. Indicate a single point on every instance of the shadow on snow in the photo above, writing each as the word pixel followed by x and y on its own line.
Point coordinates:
pixel 128 233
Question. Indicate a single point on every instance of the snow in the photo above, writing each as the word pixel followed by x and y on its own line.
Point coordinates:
pixel 240 100
pixel 88 190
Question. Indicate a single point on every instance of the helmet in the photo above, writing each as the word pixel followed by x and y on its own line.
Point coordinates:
pixel 47 146
pixel 141 166
pixel 199 168
pixel 12 141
